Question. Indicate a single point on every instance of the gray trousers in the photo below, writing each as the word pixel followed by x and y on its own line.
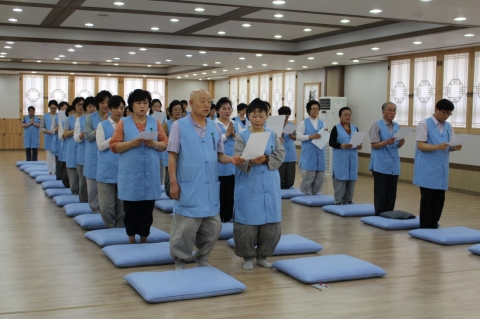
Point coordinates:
pixel 93 195
pixel 73 180
pixel 162 172
pixel 343 191
pixel 186 232
pixel 312 182
pixel 82 185
pixel 256 241
pixel 111 206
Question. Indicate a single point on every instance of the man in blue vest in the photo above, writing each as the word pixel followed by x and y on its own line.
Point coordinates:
pixel 385 159
pixel 195 147
pixel 432 162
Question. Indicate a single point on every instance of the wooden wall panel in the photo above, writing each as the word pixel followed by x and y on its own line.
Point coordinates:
pixel 2 141
pixel 2 126
pixel 13 141
pixel 13 126
pixel 335 81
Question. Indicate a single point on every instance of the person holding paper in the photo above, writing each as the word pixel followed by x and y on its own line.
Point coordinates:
pixel 312 158
pixel 345 158
pixel 31 135
pixel 432 162
pixel 45 125
pixel 241 120
pixel 174 111
pixel 289 165
pixel 385 159
pixel 138 169
pixel 56 142
pixel 226 172
pixel 195 149
pixel 258 201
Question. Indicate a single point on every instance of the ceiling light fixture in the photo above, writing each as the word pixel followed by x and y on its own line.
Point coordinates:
pixel 305 67
pixel 291 60
pixel 2 56
pixel 278 15
pixel 339 53
pixel 74 62
pixel 375 11
pixel 218 62
pixel 149 65
pixel 375 49
pixel 143 49
pixel 246 25
pixel 237 68
pixel 131 52
pixel 278 36
pixel 214 71
pixel 460 19
pixel 334 63
pixel 311 58
pixel 116 64
pixel 199 9
pixel 179 77
pixel 89 24
pixel 205 64
pixel 345 21
pixel 79 46
pixel 61 56
pixel 307 29
pixel 116 58
pixel 56 59
pixel 204 72
pixel 241 58
pixel 221 32
pixel 258 54
pixel 194 74
pixel 249 66
pixel 118 3
pixel 168 60
pixel 355 61
pixel 109 61
pixel 278 2
pixel 225 70
pixel 417 42
pixel 186 76
pixel 34 72
pixel 289 69
pixel 71 50
pixel 109 74
pixel 10 42
pixel 17 9
pixel 174 20
pixel 188 55
pixel 72 73
pixel 202 52
pixel 155 28
pixel 264 64
pixel 12 20
pixel 38 61
pixel 469 35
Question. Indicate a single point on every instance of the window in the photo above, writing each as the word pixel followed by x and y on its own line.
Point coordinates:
pixel 265 87
pixel 33 87
pixel 234 92
pixel 277 93
pixel 400 88
pixel 424 88
pixel 156 87
pixel 455 86
pixel 253 88
pixel 58 88
pixel 290 92
pixel 130 85
pixel 84 86
pixel 108 84
pixel 476 93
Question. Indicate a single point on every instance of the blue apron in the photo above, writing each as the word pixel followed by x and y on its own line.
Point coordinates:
pixel 31 134
pixel 107 164
pixel 386 160
pixel 311 157
pixel 345 161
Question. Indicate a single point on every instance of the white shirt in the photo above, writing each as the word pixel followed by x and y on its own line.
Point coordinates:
pixel 60 131
pixel 422 131
pixel 217 121
pixel 301 129
pixel 102 144
pixel 77 131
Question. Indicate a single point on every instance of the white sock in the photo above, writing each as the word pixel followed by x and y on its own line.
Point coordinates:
pixel 261 261
pixel 179 264
pixel 248 264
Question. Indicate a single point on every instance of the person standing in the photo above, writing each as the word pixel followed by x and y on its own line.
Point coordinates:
pixel 49 135
pixel 174 111
pixel 31 135
pixel 289 165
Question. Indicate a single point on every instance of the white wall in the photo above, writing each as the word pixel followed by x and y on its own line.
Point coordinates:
pixel 317 75
pixel 366 91
pixel 10 93
pixel 222 89
pixel 181 89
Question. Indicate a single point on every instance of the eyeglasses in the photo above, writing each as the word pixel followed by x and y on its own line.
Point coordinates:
pixel 446 113
pixel 391 110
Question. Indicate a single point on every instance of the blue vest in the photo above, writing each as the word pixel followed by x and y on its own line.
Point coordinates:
pixel 31 134
pixel 431 168
pixel 345 162
pixel 197 171
pixel 91 151
pixel 165 153
pixel 62 156
pixel 229 144
pixel 55 146
pixel 239 121
pixel 47 138
pixel 290 150
pixel 311 157
pixel 81 145
pixel 70 145
pixel 138 168
pixel 386 160
pixel 258 198
pixel 107 164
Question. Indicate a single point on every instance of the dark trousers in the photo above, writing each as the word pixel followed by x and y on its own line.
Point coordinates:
pixel 384 192
pixel 32 154
pixel 227 190
pixel 138 217
pixel 287 174
pixel 167 182
pixel 431 206
pixel 63 174
pixel 58 168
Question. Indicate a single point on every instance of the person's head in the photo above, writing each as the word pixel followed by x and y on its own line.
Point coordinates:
pixel 224 108
pixel 127 111
pixel 345 115
pixel 101 101
pixel 89 105
pixel 78 105
pixel 313 109
pixel 175 109
pixel 242 109
pixel 200 102
pixel 156 106
pixel 116 105
pixel 213 110
pixel 257 112
pixel 70 110
pixel 139 101
pixel 184 104
pixel 63 106
pixel 285 110
pixel 269 107
pixel 389 111
pixel 443 110
pixel 31 111
pixel 53 106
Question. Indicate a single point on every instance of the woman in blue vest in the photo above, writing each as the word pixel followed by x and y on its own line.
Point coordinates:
pixel 45 126
pixel 31 135
pixel 111 207
pixel 62 156
pixel 432 162
pixel 156 106
pixel 56 143
pixel 312 158
pixel 258 201
pixel 345 158
pixel 138 169
pixel 79 138
pixel 226 172
pixel 289 165
pixel 174 111
pixel 241 120
pixel 71 146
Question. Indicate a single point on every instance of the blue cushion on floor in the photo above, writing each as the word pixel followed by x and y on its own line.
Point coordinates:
pixel 72 210
pixel 63 200
pixel 314 200
pixel 165 205
pixel 227 231
pixel 291 244
pixel 311 270
pixel 45 178
pixel 35 174
pixel 193 283
pixel 52 192
pixel 90 221
pixel 163 188
pixel 20 163
pixel 352 210
pixel 448 236
pixel 291 193
pixel 118 236
pixel 30 168
pixel 391 224
pixel 475 249
pixel 52 184
pixel 164 197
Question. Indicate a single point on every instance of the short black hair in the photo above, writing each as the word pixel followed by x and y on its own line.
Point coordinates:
pixel 30 108
pixel 310 103
pixel 69 109
pixel 139 95
pixel 241 107
pixel 101 96
pixel 284 110
pixel 221 101
pixel 89 100
pixel 54 102
pixel 173 104
pixel 268 105
pixel 258 105
pixel 61 104
pixel 115 101
pixel 384 105
pixel 184 102
pixel 127 108
pixel 343 109
pixel 155 101
pixel 212 106
pixel 77 100
pixel 445 105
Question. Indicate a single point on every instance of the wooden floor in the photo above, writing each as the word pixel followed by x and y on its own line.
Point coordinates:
pixel 49 270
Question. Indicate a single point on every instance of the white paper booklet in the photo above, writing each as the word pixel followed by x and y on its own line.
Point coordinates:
pixel 275 123
pixel 256 145
pixel 323 140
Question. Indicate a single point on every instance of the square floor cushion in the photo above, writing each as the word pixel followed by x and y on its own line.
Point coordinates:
pixel 35 174
pixel 118 236
pixel 63 200
pixel 475 249
pixel 20 163
pixel 165 205
pixel 45 178
pixel 391 224
pixel 291 244
pixel 227 231
pixel 90 221
pixel 30 168
pixel 193 283
pixel 352 210
pixel 332 268
pixel 52 192
pixel 457 235
pixel 314 200
pixel 76 209
pixel 291 193
pixel 52 184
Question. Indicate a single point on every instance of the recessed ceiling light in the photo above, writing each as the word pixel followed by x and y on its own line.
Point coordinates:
pixel 202 52
pixel 12 20
pixel 174 20
pixel 186 75
pixel 149 65
pixel 10 42
pixel 339 53
pixel 355 61
pixel 56 59
pixel 208 78
pixel 109 61
pixel 34 72
pixel 71 50
pixel 278 36
pixel 194 74
pixel 425 0
pixel 116 58
pixel 221 32
pixel 79 46
pixel 74 62
pixel 7 47
pixel 158 62
pixel 375 11
pixel 38 61
pixel 249 66
pixel 109 74
pixel 258 54
pixel 143 49
pixel 246 25
pixel 311 58
pixel 61 56
pixel 278 2
pixel 289 68
pixel 3 53
pixel 155 28
pixel 144 76
pixel 131 52
pixel 179 77
pixel 469 35
pixel 116 64
pixel 278 15
pixel 118 3
pixel 199 9
pixel 307 29
pixel 17 9
pixel 218 62
pixel 199 79
pixel 72 73
pixel 264 64
pixel 168 60
pixel 345 21
pixel 205 64
pixel 237 68
pixel 417 42
pixel 214 71
pixel 460 19
pixel 188 55
pixel 204 72
pixel 335 63
pixel 375 49
pixel 305 67
pixel 241 58
pixel 291 60
pixel 89 24
pixel 225 70
pixel 2 56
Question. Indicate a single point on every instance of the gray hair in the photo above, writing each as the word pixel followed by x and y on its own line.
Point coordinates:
pixel 384 105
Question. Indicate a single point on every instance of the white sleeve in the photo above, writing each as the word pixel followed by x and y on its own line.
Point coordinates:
pixel 102 144
pixel 301 131
pixel 77 131
pixel 60 132
pixel 224 137
pixel 52 126
pixel 422 131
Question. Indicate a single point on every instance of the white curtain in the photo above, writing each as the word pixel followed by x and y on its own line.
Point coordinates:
pixel 455 86
pixel 253 88
pixel 33 93
pixel 399 88
pixel 265 87
pixel 84 86
pixel 131 84
pixel 156 87
pixel 234 92
pixel 58 88
pixel 277 92
pixel 108 84
pixel 424 88
pixel 290 92
pixel 476 93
